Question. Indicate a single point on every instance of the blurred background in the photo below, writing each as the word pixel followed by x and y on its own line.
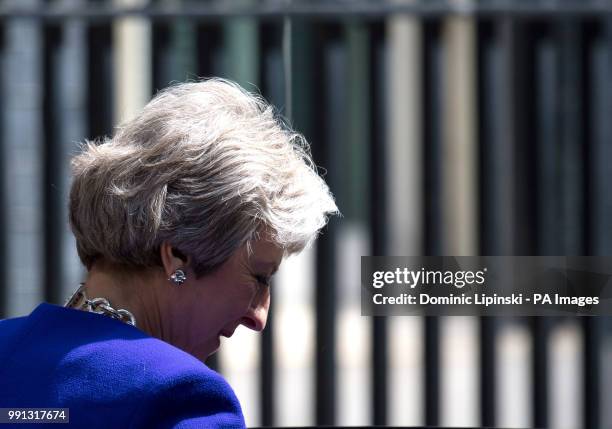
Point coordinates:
pixel 443 127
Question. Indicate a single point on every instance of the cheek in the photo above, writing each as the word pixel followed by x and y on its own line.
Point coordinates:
pixel 229 306
pixel 246 298
pixel 203 308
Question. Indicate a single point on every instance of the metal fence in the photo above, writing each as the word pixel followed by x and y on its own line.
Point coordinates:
pixel 445 127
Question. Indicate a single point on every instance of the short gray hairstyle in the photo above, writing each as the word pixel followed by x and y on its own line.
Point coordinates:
pixel 206 166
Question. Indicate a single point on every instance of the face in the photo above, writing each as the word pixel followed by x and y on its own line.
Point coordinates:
pixel 238 293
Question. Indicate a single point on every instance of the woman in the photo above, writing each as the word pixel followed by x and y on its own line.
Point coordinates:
pixel 181 219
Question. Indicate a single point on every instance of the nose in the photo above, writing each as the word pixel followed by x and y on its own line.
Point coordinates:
pixel 257 317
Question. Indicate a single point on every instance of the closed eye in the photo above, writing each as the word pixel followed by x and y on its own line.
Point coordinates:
pixel 263 280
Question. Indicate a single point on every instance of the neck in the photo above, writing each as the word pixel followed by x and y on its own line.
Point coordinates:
pixel 136 292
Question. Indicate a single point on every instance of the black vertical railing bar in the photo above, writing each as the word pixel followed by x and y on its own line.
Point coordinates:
pixel 600 203
pixel 432 105
pixel 521 140
pixel 597 131
pixel 378 215
pixel 100 81
pixel 600 150
pixel 314 80
pixel 601 154
pixel 53 266
pixel 161 61
pixel 306 79
pixel 487 70
pixel 433 66
pixel 325 322
pixel 572 136
pixel 540 363
pixel 487 371
pixel 380 358
pixel 523 181
pixel 489 59
pixel 591 327
pixel 356 35
pixel 266 371
pixel 548 240
pixel 208 41
pixel 175 52
pixel 432 371
pixel 287 54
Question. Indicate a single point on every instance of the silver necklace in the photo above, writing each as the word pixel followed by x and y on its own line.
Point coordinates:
pixel 80 301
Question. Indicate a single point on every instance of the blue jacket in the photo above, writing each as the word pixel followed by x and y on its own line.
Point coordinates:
pixel 109 374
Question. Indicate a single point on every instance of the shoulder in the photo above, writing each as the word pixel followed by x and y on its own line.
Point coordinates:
pixel 87 361
pixel 180 391
pixel 167 386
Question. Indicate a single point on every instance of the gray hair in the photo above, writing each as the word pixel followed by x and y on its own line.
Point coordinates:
pixel 205 166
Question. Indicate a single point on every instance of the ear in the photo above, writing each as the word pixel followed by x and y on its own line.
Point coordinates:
pixel 172 259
